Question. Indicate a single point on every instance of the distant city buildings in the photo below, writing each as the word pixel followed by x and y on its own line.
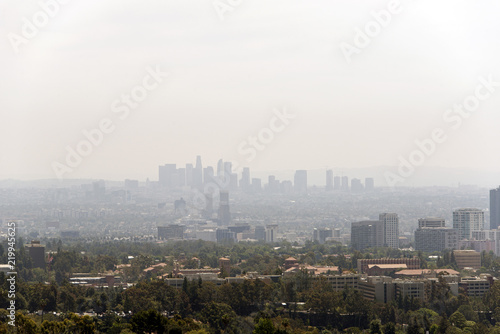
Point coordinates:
pixel 172 231
pixel 485 240
pixel 224 178
pixel 225 235
pixel 322 234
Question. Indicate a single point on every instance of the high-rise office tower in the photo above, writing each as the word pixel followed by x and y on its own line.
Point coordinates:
pixel 356 185
pixel 329 180
pixel 228 167
pixel 336 183
pixel 233 181
pixel 198 174
pixel 345 183
pixel 99 188
pixel 220 168
pixel 37 253
pixel 494 208
pixel 367 234
pixel 391 229
pixel 224 214
pixel 189 175
pixel 322 234
pixel 271 232
pixel 245 179
pixel 468 220
pixel 208 174
pixel 272 184
pixel 376 233
pixel 209 206
pixel 165 175
pixel 300 181
pixel 369 184
pixel 256 184
pixel 260 232
pixel 435 239
pixel 181 177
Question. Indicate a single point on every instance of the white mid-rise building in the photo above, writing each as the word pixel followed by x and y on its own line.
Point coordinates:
pixel 466 221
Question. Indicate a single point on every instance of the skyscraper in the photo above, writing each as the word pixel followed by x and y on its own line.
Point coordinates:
pixel 181 177
pixel 165 174
pixel 224 214
pixel 345 183
pixel 189 175
pixel 256 184
pixel 369 184
pixel 494 208
pixel 208 174
pixel 245 179
pixel 198 174
pixel 391 229
pixel 336 183
pixel 300 181
pixel 367 234
pixel 272 185
pixel 376 233
pixel 468 220
pixel 329 180
pixel 271 232
pixel 356 185
pixel 220 168
pixel 322 234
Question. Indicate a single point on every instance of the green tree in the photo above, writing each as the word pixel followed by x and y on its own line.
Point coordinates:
pixel 375 327
pixel 458 319
pixel 469 313
pixel 218 315
pixel 444 324
pixel 264 326
pixel 390 328
pixel 150 321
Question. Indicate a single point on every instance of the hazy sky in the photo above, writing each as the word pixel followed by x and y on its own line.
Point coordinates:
pixel 228 77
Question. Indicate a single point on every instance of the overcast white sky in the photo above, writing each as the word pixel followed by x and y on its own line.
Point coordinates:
pixel 227 77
